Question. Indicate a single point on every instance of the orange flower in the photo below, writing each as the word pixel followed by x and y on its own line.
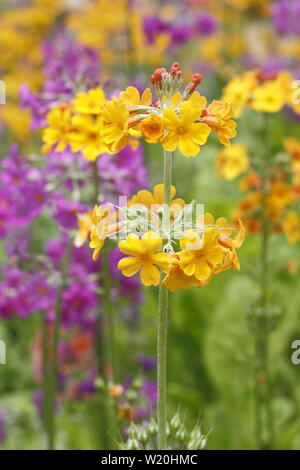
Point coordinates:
pixel 115 390
pixel 152 128
pixel 177 279
pixel 218 118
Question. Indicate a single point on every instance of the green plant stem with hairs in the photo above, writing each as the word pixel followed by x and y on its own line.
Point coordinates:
pixel 162 323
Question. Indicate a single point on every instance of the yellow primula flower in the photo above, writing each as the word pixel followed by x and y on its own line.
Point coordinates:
pixel 154 201
pixel 91 102
pixel 231 244
pixel 104 225
pixel 224 240
pixel 238 90
pixel 177 279
pixel 85 224
pixel 152 128
pixel 184 132
pixel 144 255
pixel 86 136
pixel 292 147
pixel 231 162
pixel 57 133
pixel 268 97
pixel 115 130
pixel 296 173
pixel 132 97
pixel 96 243
pixel 218 118
pixel 280 195
pixel 291 227
pixel 199 257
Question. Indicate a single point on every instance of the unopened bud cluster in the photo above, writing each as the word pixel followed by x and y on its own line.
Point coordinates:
pixel 143 436
pixel 167 83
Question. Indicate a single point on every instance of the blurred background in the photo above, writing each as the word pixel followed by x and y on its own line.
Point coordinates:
pixel 49 51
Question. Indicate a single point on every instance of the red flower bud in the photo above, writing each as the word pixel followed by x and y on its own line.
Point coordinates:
pixel 197 79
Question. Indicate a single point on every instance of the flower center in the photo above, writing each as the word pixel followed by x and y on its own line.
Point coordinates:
pixel 182 130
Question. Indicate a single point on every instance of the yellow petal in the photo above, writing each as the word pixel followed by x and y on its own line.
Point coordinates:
pixel 150 275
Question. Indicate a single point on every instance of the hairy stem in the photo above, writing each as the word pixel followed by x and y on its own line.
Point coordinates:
pixel 162 324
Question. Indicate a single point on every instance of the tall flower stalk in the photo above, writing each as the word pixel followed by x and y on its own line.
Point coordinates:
pixel 165 240
pixel 162 322
pixel 264 212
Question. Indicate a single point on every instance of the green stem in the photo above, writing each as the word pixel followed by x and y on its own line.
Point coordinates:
pixel 162 324
pixel 105 340
pixel 50 397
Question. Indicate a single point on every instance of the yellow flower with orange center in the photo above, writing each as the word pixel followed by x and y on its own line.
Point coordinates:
pixel 231 162
pixel 238 91
pixel 281 194
pixel 115 131
pixel 104 225
pixel 177 279
pixel 56 135
pixel 91 102
pixel 85 224
pixel 86 136
pixel 218 118
pixel 229 244
pixel 200 256
pixel 144 255
pixel 268 97
pixel 184 132
pixel 292 147
pixel 152 128
pixel 291 227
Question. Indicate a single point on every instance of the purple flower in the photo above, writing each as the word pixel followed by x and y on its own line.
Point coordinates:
pixel 149 390
pixel 123 173
pixel 154 26
pixel 21 191
pixel 65 211
pixel 205 24
pixel 180 34
pixel 148 363
pixel 69 67
pixel 285 15
pixel 79 298
pixel 23 293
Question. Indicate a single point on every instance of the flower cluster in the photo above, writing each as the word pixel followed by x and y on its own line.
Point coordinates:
pixel 263 92
pixel 231 162
pixel 205 249
pixel 276 198
pixel 68 67
pixel 92 125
